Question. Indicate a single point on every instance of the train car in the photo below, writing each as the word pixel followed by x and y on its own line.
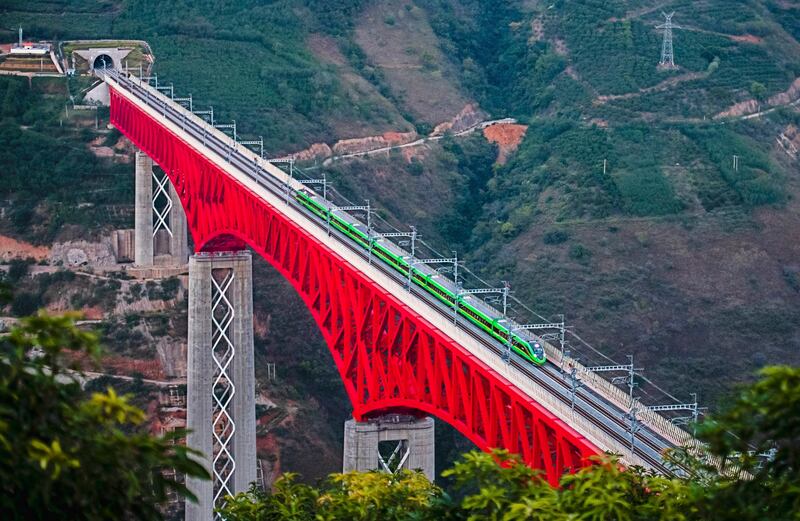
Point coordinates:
pixel 490 325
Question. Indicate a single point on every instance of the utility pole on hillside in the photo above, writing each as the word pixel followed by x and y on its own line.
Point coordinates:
pixel 667 56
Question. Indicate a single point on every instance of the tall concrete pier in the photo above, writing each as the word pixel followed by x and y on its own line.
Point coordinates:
pixel 409 440
pixel 160 236
pixel 221 380
pixel 143 211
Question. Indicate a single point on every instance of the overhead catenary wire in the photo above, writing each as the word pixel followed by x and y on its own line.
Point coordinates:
pixel 379 223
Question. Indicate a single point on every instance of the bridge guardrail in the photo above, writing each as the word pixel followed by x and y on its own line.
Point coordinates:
pixel 652 419
pixel 563 411
pixel 570 416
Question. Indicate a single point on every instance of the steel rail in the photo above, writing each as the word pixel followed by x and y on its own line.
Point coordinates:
pixel 645 436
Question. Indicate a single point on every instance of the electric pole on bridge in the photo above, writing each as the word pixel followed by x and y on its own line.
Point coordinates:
pixel 185 102
pixel 324 183
pixel 412 236
pixel 503 292
pixel 415 262
pixel 635 425
pixel 209 113
pixel 228 126
pixel 528 327
pixel 683 420
pixel 629 379
pixel 168 88
pixel 255 142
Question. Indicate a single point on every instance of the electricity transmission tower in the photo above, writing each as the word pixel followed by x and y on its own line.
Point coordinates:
pixel 667 56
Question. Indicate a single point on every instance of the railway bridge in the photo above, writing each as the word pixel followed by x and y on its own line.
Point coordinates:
pixel 402 355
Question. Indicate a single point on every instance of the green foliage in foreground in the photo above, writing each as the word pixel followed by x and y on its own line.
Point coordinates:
pixel 499 487
pixel 66 456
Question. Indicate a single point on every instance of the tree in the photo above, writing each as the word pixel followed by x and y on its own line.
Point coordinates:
pixel 498 486
pixel 64 455
pixel 763 419
pixel 758 90
pixel 5 294
pixel 363 496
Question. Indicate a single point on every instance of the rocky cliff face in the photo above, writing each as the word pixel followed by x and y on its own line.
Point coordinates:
pixel 751 106
pixel 367 144
pixel 469 116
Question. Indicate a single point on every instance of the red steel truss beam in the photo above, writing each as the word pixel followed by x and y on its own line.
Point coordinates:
pixel 390 358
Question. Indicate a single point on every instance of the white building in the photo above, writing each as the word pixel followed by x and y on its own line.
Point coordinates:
pixel 29 48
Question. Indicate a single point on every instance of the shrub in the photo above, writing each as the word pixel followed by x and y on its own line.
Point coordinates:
pixel 555 237
pixel 18 269
pixel 579 252
pixel 25 304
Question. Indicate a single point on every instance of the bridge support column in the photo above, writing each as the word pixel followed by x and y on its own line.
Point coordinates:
pixel 143 211
pixel 179 242
pixel 389 443
pixel 160 235
pixel 221 381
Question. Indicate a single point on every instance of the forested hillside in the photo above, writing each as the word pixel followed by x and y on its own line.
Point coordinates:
pixel 621 208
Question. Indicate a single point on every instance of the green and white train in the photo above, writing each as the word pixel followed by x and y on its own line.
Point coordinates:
pixel 532 352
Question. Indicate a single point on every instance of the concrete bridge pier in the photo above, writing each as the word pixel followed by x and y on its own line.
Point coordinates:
pixel 221 380
pixel 389 443
pixel 160 236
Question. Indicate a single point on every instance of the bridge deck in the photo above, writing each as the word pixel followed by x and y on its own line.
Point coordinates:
pixel 598 413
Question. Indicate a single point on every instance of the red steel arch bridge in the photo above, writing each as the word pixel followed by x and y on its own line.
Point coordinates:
pixel 396 350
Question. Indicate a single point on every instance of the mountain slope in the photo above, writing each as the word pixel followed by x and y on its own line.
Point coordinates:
pixel 621 207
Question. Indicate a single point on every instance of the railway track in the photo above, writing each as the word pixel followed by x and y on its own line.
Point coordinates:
pixel 607 417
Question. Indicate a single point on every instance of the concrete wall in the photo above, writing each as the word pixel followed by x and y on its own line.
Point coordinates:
pixel 122 243
pixel 361 441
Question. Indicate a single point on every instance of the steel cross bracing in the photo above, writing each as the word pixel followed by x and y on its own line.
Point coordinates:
pixel 394 463
pixel 393 348
pixel 161 210
pixel 222 353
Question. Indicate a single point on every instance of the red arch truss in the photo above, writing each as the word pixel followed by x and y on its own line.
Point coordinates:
pixel 389 357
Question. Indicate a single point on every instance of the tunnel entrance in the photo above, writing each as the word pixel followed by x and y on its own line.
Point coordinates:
pixel 103 61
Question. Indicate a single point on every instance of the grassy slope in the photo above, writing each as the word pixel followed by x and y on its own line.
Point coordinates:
pixel 303 89
pixel 265 76
pixel 671 255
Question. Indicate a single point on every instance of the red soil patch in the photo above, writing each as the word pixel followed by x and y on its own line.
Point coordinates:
pixel 150 369
pixel 748 38
pixel 14 249
pixel 508 136
pixel 93 313
pixel 119 365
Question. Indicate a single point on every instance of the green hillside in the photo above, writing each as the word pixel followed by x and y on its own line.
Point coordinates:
pixel 669 252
